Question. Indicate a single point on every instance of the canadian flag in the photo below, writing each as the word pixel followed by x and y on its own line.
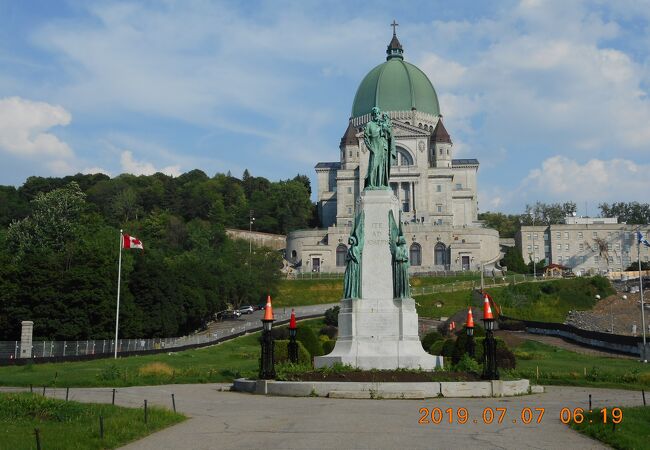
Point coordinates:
pixel 131 242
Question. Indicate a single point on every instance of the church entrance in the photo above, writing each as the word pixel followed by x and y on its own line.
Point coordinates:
pixel 465 262
pixel 315 264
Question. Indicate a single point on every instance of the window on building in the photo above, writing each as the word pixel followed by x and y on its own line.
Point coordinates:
pixel 438 188
pixel 536 248
pixel 581 247
pixel 558 234
pixel 594 234
pixel 566 247
pixel 404 158
pixel 610 259
pixel 579 234
pixel 617 246
pixel 459 186
pixel 596 258
pixel 294 254
pixel 546 237
pixel 439 208
pixel 341 251
pixel 558 246
pixel 440 254
pixel 559 259
pixel 440 152
pixel 349 190
pixel 415 254
pixel 530 248
pixel 528 236
pixel 349 210
pixel 566 235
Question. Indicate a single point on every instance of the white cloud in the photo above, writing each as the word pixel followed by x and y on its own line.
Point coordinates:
pixel 560 179
pixel 130 165
pixel 24 126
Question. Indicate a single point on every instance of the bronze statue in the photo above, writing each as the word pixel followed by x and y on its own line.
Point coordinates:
pixel 400 253
pixel 378 138
pixel 352 277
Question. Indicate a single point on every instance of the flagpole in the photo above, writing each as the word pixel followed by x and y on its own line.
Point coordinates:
pixel 644 357
pixel 119 276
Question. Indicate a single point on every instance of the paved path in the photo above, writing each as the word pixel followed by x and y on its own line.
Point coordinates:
pixel 228 420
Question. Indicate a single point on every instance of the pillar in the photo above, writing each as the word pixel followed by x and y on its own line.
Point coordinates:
pixel 26 338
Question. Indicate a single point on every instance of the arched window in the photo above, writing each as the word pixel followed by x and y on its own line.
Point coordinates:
pixel 341 251
pixel 415 254
pixel 404 158
pixel 440 254
pixel 294 254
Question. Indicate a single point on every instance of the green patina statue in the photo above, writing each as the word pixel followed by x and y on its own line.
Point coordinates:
pixel 401 286
pixel 378 138
pixel 352 278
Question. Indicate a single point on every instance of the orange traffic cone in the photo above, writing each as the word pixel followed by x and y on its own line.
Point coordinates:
pixel 268 309
pixel 487 309
pixel 470 318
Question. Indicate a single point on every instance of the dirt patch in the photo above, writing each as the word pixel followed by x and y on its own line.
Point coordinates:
pixel 511 338
pixel 614 310
pixel 380 376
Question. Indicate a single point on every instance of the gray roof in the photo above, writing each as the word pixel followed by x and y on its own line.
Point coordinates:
pixel 328 165
pixel 464 162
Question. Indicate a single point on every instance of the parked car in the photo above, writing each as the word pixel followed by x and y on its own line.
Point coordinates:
pixel 228 315
pixel 246 310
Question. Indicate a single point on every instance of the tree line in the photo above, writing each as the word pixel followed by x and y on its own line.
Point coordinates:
pixel 59 244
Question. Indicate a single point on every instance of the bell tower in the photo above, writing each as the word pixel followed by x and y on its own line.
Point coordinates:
pixel 440 146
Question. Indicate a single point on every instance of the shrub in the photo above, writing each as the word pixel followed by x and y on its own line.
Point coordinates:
pixel 288 371
pixel 281 353
pixel 436 347
pixel 467 364
pixel 505 358
pixel 448 347
pixel 429 338
pixel 328 346
pixel 308 338
pixel 109 373
pixel 280 333
pixel 332 316
pixel 330 331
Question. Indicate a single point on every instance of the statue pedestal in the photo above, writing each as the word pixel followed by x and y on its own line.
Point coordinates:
pixel 378 331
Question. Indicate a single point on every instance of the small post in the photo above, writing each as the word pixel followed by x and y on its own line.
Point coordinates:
pixel 38 438
pixel 145 411
pixel 173 402
pixel 67 392
pixel 113 401
pixel 537 371
pixel 101 427
pixel 43 391
pixel 31 388
pixel 589 402
pixel 643 395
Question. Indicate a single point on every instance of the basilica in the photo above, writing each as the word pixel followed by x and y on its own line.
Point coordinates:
pixel 437 193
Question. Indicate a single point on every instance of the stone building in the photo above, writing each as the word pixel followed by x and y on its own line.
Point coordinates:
pixel 586 245
pixel 437 193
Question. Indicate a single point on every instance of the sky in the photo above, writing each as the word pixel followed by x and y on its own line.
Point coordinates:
pixel 550 96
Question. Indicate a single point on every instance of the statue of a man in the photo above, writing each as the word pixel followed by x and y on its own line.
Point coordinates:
pixel 377 136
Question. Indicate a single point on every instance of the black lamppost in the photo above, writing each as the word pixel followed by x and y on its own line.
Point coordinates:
pixel 469 327
pixel 293 345
pixel 267 361
pixel 490 371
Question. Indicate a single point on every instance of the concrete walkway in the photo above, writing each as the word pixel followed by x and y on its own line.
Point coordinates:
pixel 228 420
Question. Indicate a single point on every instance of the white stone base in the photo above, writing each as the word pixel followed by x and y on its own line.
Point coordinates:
pixel 376 334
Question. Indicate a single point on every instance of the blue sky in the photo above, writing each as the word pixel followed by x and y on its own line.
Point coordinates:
pixel 550 96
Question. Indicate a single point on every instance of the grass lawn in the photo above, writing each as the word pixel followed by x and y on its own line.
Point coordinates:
pixel 219 363
pixel 73 425
pixel 563 367
pixel 631 433
pixel 451 303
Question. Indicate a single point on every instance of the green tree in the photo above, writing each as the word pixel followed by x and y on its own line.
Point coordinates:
pixel 506 225
pixel 514 261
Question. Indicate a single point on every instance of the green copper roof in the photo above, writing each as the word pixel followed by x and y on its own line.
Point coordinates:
pixel 395 86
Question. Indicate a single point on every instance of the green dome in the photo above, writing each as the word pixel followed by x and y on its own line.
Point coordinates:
pixel 395 86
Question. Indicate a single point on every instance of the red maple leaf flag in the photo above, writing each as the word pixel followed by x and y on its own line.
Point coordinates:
pixel 131 242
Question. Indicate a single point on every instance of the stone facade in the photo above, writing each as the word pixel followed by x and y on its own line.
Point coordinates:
pixel 586 245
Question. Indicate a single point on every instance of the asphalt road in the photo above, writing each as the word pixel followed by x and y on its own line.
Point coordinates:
pixel 228 420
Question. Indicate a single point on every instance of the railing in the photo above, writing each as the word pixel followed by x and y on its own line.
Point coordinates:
pixel 63 350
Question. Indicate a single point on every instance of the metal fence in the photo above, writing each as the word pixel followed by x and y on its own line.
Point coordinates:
pixel 95 347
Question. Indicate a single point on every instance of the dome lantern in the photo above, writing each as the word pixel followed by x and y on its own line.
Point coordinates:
pixel 394 49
